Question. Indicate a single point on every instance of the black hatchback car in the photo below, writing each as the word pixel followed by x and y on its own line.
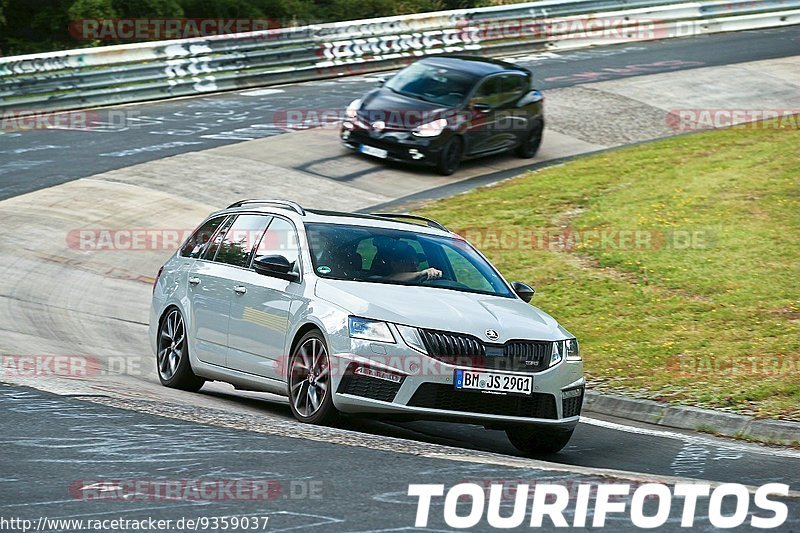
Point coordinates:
pixel 441 110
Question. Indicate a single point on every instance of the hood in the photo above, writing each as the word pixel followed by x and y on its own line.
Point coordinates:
pixel 398 111
pixel 441 309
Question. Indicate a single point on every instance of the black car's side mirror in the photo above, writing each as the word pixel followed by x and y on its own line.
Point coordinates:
pixel 523 291
pixel 276 266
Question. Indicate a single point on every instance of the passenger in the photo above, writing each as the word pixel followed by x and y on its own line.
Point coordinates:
pixel 403 265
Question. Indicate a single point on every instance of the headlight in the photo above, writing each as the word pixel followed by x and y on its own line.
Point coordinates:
pixel 567 349
pixel 557 353
pixel 571 350
pixel 352 109
pixel 370 330
pixel 431 129
pixel 411 337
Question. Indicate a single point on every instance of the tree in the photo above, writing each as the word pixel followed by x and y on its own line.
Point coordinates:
pixel 152 9
pixel 92 9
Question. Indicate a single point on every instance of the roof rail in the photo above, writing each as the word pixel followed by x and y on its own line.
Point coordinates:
pixel 294 206
pixel 405 216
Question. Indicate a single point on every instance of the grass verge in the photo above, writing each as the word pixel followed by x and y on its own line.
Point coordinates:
pixel 675 263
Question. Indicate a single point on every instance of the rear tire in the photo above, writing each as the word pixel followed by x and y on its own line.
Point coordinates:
pixel 532 141
pixel 535 441
pixel 172 354
pixel 450 156
pixel 309 384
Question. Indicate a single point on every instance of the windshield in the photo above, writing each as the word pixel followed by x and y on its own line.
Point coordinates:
pixel 378 255
pixel 433 83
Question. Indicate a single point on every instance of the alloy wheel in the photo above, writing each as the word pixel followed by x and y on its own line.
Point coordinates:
pixel 170 345
pixel 309 377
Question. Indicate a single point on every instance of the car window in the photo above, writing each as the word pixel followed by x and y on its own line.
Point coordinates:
pixel 211 248
pixel 433 83
pixel 464 271
pixel 376 258
pixel 511 87
pixel 195 245
pixel 488 92
pixel 381 255
pixel 280 239
pixel 240 240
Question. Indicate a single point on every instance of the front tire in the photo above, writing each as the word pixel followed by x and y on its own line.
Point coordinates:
pixel 532 141
pixel 172 355
pixel 450 156
pixel 309 384
pixel 535 441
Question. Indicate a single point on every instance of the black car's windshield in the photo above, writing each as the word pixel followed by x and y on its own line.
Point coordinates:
pixel 378 255
pixel 433 83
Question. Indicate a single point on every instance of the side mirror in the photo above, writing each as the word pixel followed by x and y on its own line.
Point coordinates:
pixel 481 107
pixel 380 81
pixel 276 266
pixel 523 291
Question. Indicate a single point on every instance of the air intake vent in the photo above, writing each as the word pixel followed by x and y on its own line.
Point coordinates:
pixel 446 397
pixel 367 386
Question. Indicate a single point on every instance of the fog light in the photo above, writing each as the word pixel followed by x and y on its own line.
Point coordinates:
pixel 572 393
pixel 377 374
pixel 415 154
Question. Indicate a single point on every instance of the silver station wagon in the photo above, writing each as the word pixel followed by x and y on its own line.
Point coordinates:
pixel 387 315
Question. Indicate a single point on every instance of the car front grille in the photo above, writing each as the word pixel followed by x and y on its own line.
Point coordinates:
pixel 442 344
pixel 368 387
pixel 446 397
pixel 466 350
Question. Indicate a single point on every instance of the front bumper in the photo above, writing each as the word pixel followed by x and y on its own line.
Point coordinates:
pixel 400 146
pixel 424 389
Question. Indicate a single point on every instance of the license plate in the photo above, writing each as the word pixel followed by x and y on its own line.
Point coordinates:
pixel 375 152
pixel 493 382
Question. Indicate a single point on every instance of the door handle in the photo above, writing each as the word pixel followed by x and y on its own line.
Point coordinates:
pixel 194 281
pixel 239 289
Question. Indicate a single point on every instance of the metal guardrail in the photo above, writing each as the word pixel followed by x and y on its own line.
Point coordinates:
pixel 92 77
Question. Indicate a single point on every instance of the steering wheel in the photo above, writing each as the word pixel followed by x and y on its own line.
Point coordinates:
pixel 447 283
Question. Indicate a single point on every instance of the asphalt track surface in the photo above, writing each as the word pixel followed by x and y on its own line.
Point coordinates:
pixel 76 460
pixel 50 441
pixel 31 160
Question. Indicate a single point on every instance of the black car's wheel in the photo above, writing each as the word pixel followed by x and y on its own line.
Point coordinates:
pixel 172 356
pixel 534 441
pixel 309 383
pixel 450 156
pixel 532 140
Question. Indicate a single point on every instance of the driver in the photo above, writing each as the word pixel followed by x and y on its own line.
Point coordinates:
pixel 403 264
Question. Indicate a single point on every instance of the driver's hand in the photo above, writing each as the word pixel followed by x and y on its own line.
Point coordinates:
pixel 431 273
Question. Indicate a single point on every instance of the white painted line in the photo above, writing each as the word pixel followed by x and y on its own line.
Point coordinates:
pixel 707 441
pixel 261 92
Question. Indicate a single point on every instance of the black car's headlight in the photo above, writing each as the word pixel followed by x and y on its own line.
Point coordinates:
pixel 352 109
pixel 567 349
pixel 370 330
pixel 430 129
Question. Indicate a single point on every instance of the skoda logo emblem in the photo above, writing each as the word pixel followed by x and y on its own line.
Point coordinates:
pixel 378 125
pixel 491 334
